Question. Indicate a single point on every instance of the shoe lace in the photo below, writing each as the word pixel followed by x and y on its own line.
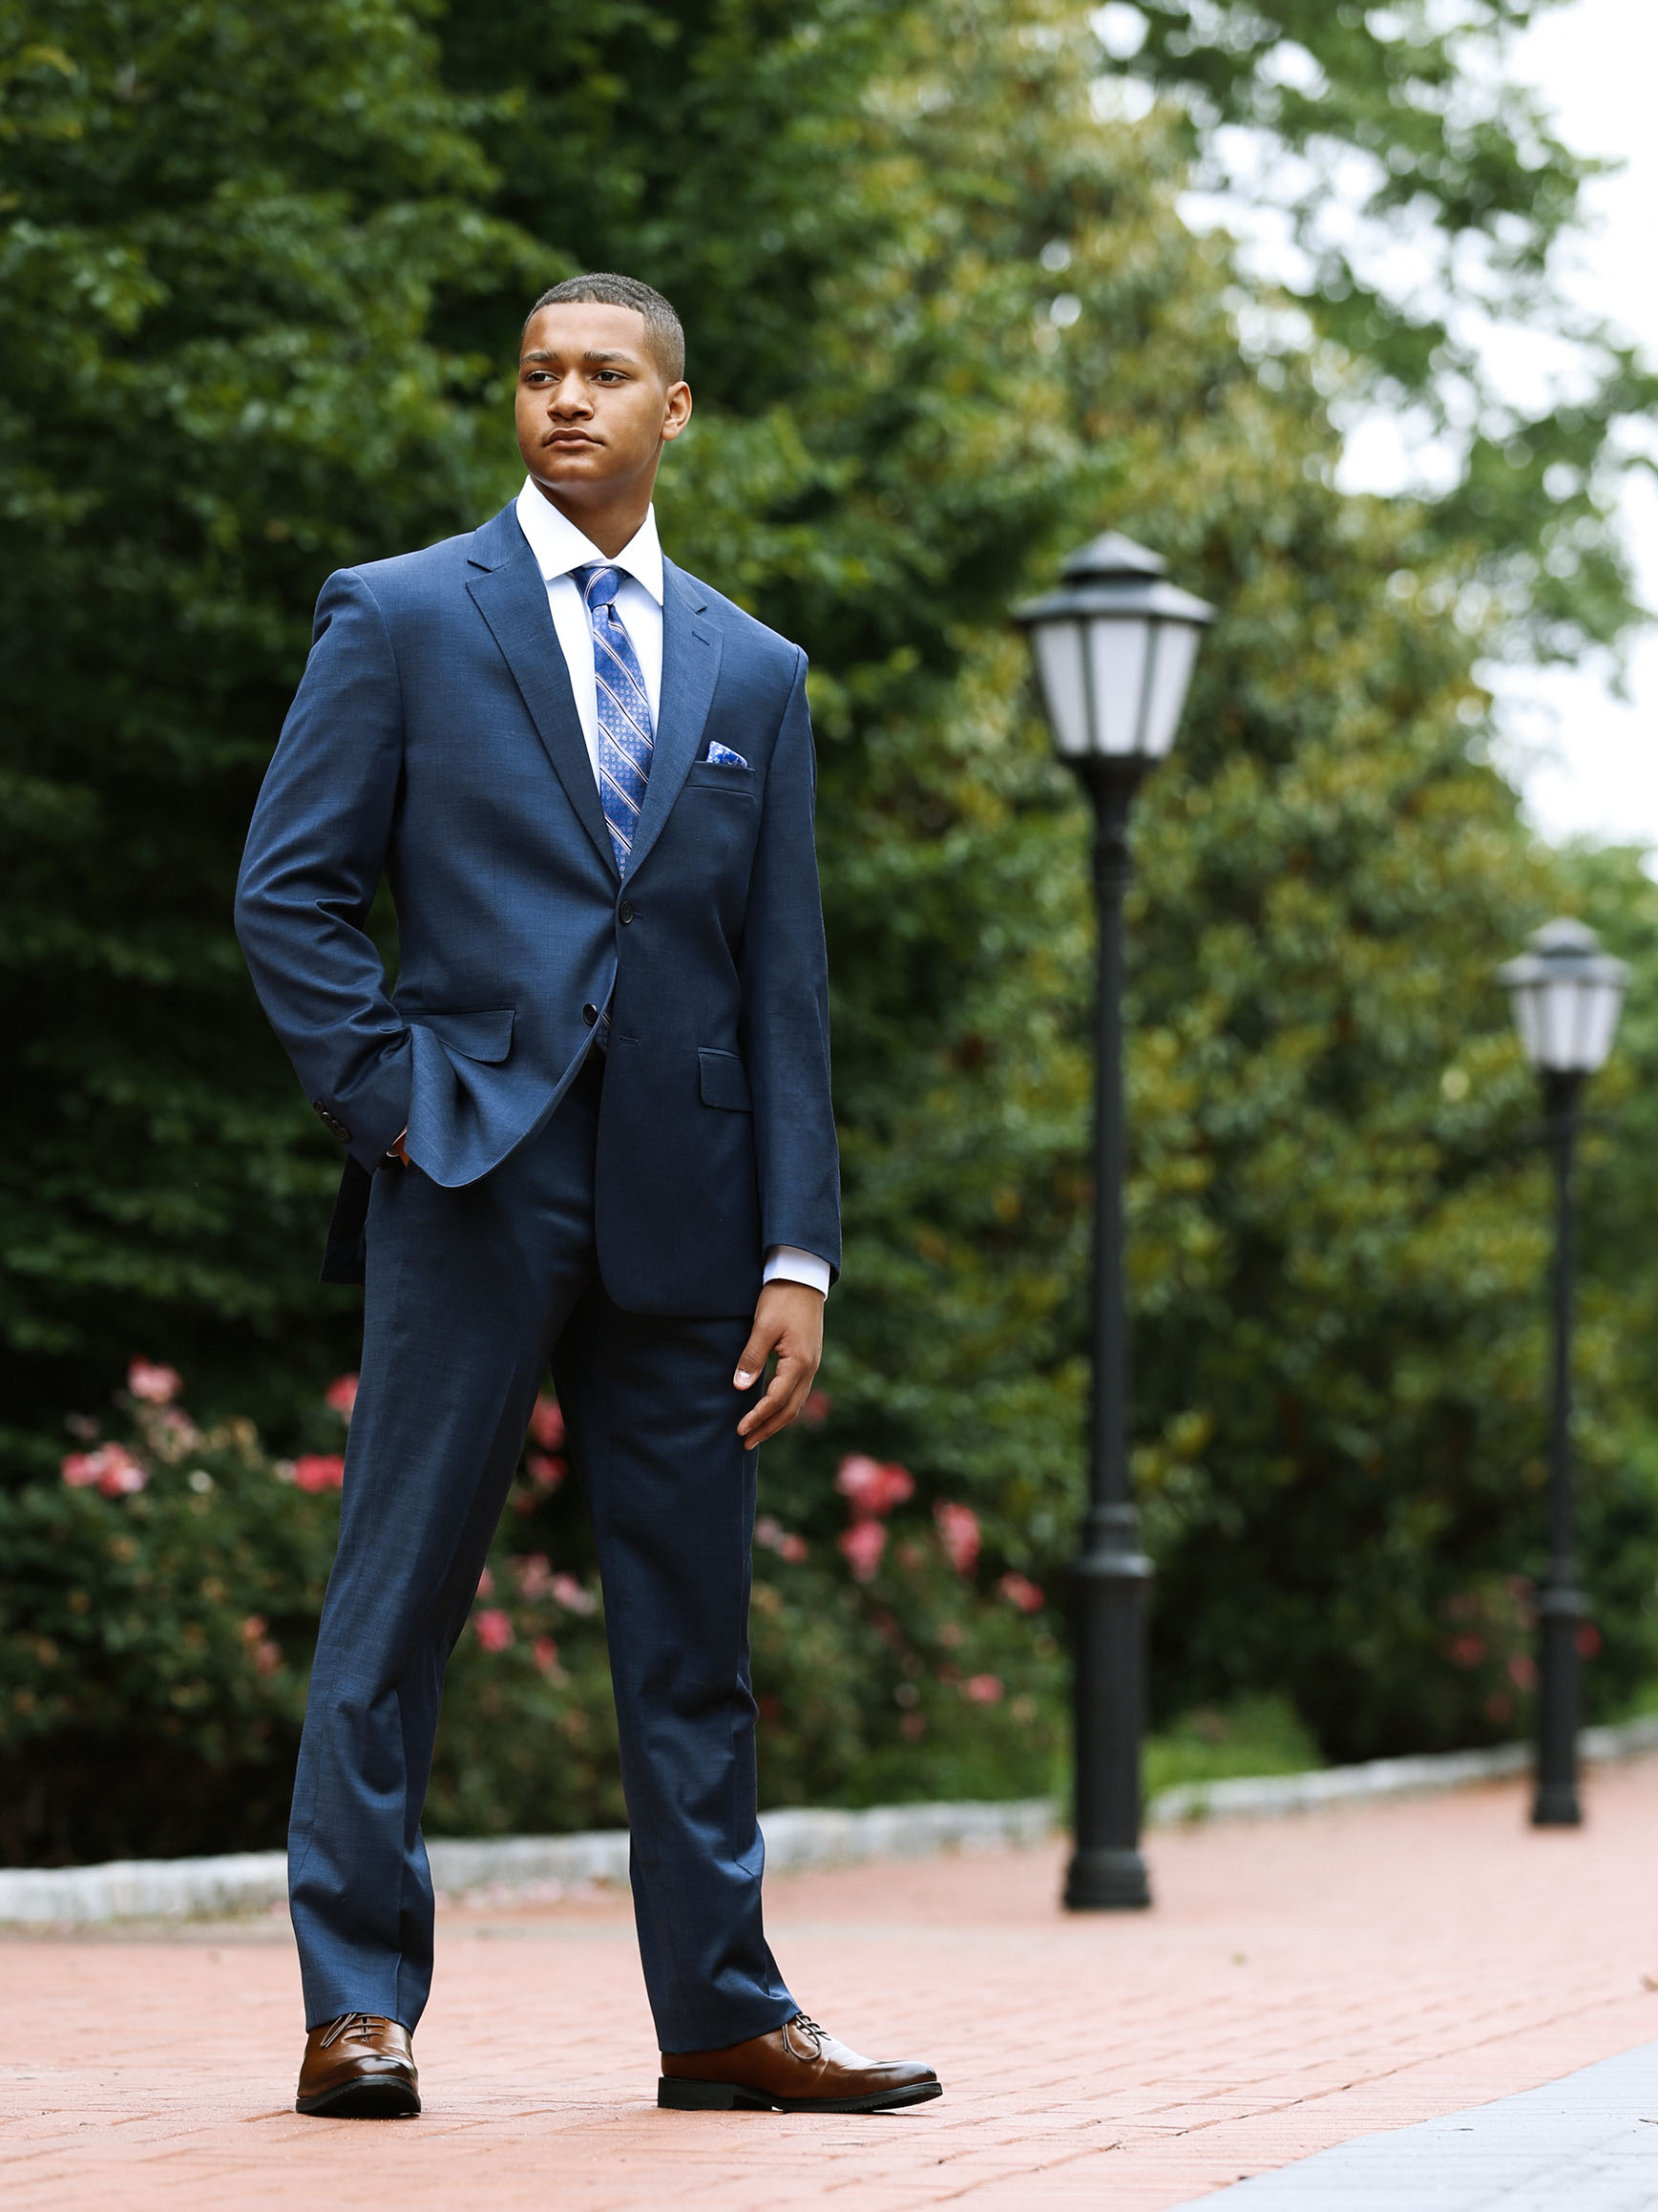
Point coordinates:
pixel 359 2026
pixel 819 2036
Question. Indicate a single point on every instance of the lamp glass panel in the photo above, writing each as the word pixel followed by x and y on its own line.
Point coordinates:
pixel 1528 1020
pixel 1171 666
pixel 1117 645
pixel 1597 1023
pixel 1060 664
pixel 1559 1002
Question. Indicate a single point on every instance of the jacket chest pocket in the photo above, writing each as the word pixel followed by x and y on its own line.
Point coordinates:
pixel 724 777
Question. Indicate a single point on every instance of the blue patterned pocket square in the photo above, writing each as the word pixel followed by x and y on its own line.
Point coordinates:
pixel 720 756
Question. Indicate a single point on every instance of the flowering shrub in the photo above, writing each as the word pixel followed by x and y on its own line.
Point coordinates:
pixel 160 1586
pixel 1490 1634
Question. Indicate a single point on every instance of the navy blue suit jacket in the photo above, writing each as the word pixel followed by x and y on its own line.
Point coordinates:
pixel 434 740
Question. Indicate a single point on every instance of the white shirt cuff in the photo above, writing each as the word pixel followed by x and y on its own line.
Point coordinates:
pixel 786 1263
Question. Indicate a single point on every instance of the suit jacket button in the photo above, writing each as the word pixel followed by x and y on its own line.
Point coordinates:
pixel 590 1015
pixel 625 910
pixel 331 1122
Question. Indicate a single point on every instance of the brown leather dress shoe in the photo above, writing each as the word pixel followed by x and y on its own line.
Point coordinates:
pixel 359 2067
pixel 797 2068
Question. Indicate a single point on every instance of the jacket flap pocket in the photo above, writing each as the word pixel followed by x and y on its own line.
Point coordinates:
pixel 482 1036
pixel 725 1080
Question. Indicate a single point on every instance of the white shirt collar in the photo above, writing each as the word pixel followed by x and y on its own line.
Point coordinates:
pixel 559 546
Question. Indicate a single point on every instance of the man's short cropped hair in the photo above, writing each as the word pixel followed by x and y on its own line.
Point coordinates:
pixel 664 333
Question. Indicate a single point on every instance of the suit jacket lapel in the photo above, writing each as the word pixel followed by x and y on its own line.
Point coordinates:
pixel 511 598
pixel 690 669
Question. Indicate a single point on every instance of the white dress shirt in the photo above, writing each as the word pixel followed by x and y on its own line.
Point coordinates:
pixel 560 548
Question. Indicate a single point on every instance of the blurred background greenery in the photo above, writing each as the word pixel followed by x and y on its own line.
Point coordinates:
pixel 263 268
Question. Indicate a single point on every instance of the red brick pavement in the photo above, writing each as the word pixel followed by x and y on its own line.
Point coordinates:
pixel 1300 1982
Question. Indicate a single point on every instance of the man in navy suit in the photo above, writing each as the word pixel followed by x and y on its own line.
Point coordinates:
pixel 590 1124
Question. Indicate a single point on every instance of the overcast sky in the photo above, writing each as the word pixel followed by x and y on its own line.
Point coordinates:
pixel 1587 762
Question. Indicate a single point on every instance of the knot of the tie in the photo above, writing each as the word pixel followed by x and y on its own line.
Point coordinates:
pixel 600 585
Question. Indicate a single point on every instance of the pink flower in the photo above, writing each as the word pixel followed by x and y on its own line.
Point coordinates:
pixel 545 1471
pixel 530 1570
pixel 770 1533
pixel 1522 1671
pixel 817 1409
pixel 1466 1650
pixel 861 1547
pixel 546 1653
pixel 267 1656
pixel 982 1689
pixel 154 1385
pixel 111 1468
pixel 547 1422
pixel 873 1487
pixel 564 1589
pixel 494 1629
pixel 342 1395
pixel 958 1530
pixel 320 1471
pixel 486 1584
pixel 1020 1592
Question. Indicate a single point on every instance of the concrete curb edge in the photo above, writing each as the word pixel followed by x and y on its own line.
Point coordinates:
pixel 796 1839
pixel 1266 1797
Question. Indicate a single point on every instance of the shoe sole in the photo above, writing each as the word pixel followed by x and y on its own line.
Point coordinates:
pixel 676 2095
pixel 363 2100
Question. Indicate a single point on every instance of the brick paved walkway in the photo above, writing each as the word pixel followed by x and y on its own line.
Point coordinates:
pixel 1301 1983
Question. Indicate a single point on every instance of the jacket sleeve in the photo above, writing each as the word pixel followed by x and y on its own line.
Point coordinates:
pixel 784 972
pixel 314 856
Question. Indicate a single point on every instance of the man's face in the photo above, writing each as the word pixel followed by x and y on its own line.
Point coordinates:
pixel 593 407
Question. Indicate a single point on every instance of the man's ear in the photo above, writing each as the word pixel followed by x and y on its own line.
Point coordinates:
pixel 677 409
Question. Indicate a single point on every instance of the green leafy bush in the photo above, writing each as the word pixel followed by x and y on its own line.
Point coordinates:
pixel 155 1628
pixel 160 1587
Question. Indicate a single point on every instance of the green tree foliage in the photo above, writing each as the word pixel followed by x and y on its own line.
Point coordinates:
pixel 1451 193
pixel 221 229
pixel 944 322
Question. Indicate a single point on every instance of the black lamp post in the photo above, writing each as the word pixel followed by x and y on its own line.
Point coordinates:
pixel 1566 994
pixel 1114 648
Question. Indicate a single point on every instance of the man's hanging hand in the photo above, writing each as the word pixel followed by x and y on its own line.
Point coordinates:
pixel 788 1322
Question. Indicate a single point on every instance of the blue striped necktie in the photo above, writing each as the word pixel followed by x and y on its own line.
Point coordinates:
pixel 624 713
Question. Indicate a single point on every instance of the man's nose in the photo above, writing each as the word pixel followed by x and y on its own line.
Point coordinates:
pixel 569 396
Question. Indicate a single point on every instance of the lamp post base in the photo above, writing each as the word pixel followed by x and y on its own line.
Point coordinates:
pixel 1107 1880
pixel 1556 1807
pixel 1561 1608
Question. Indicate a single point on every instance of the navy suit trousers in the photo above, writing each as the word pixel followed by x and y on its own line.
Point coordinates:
pixel 470 1292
